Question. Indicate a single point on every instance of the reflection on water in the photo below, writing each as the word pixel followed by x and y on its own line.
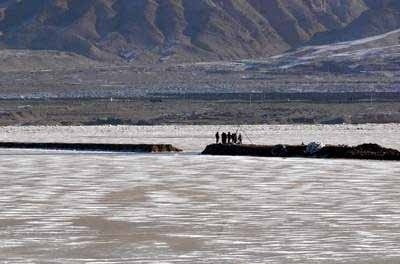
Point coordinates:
pixel 70 207
pixel 192 209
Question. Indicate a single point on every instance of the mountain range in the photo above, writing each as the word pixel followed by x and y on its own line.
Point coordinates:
pixel 188 30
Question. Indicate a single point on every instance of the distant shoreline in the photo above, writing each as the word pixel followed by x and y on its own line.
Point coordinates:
pixel 206 109
pixel 275 97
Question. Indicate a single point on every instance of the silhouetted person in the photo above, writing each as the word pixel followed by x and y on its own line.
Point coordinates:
pixel 223 137
pixel 217 138
pixel 229 137
pixel 240 139
pixel 234 138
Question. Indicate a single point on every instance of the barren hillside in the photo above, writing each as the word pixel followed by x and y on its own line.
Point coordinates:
pixel 171 30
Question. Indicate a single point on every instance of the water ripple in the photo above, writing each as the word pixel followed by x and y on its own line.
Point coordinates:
pixel 83 208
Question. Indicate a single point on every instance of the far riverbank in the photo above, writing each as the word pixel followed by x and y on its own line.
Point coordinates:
pixel 195 111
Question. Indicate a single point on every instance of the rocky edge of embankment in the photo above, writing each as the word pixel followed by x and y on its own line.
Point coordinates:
pixel 364 151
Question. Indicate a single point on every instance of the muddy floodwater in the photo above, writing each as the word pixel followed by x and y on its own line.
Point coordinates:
pixel 77 207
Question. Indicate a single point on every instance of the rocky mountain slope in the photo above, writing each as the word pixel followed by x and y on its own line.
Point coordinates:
pixel 173 30
pixel 42 60
pixel 379 53
pixel 384 16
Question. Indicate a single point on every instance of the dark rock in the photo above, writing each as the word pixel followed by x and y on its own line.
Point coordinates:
pixel 279 151
pixel 255 150
pixel 148 148
pixel 365 151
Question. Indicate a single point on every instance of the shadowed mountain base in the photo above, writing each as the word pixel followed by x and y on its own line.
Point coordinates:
pixel 365 151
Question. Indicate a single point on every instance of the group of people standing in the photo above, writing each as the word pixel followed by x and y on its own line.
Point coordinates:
pixel 228 138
